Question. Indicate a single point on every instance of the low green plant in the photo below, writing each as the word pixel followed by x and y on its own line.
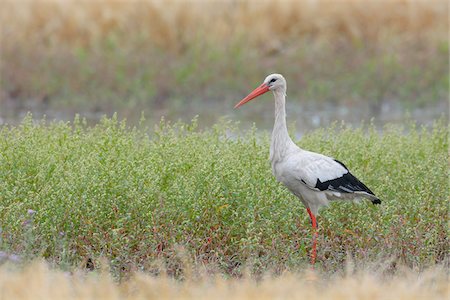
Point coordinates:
pixel 69 191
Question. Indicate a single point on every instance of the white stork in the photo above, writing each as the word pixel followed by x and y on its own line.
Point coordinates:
pixel 314 178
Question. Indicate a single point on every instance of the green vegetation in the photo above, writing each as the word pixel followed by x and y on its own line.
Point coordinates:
pixel 69 192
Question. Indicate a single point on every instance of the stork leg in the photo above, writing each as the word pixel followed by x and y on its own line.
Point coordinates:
pixel 315 235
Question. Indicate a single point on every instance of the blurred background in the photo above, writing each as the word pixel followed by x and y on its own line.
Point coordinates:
pixel 343 60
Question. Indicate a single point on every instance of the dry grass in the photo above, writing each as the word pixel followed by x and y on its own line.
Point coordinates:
pixel 153 55
pixel 172 25
pixel 39 282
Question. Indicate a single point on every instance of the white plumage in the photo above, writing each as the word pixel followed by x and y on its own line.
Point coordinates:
pixel 314 178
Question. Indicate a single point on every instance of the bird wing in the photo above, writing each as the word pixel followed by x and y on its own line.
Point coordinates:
pixel 323 173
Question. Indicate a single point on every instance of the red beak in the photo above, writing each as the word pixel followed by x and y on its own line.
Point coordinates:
pixel 262 89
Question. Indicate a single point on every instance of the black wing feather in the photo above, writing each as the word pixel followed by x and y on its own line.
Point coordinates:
pixel 347 183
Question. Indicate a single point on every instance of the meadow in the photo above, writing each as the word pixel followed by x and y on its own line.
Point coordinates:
pixel 74 194
pixel 179 59
pixel 120 203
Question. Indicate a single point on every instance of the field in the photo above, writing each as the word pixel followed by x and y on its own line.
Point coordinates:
pixel 179 59
pixel 124 173
pixel 72 193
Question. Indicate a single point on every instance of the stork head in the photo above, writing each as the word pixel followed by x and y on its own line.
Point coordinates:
pixel 273 82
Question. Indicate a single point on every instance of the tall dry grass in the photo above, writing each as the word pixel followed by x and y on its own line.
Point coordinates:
pixel 155 56
pixel 172 25
pixel 39 282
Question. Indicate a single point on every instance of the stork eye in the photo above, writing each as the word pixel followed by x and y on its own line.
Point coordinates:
pixel 272 80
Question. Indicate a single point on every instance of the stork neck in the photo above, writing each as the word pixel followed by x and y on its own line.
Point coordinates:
pixel 281 141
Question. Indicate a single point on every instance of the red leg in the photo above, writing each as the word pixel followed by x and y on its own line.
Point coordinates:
pixel 315 235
